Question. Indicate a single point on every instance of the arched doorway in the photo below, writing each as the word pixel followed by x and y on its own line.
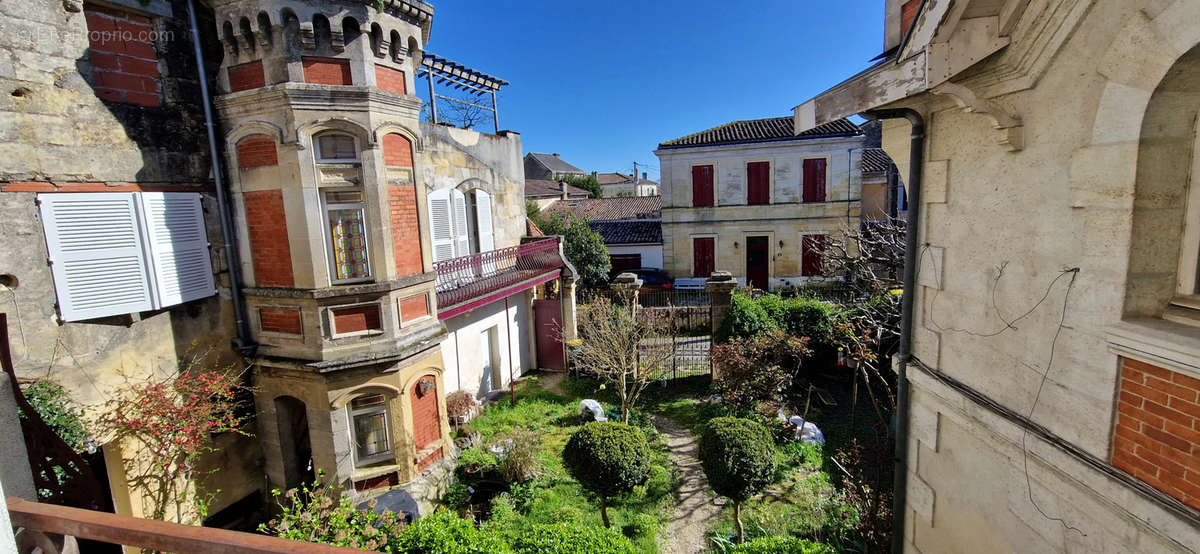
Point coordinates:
pixel 291 416
pixel 427 420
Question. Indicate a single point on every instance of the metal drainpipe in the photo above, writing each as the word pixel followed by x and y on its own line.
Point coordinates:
pixel 916 151
pixel 243 344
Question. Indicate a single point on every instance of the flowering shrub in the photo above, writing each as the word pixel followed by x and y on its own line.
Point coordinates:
pixel 167 425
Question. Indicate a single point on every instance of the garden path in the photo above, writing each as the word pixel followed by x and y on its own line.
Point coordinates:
pixel 695 511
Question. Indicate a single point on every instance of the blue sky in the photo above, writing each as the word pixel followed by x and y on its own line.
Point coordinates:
pixel 602 83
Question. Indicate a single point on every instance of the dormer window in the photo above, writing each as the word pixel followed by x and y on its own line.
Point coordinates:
pixel 336 148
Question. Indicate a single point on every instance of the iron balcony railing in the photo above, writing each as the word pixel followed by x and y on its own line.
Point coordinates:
pixel 471 277
pixel 55 530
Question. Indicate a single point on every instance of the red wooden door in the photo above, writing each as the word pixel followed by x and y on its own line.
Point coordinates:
pixel 758 183
pixel 814 180
pixel 810 258
pixel 702 185
pixel 757 262
pixel 547 320
pixel 703 256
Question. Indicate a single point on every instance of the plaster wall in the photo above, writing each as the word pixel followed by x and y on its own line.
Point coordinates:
pixel 785 219
pixel 463 348
pixel 997 230
pixel 652 254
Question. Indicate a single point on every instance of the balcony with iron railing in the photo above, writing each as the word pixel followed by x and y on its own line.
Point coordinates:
pixel 53 529
pixel 467 282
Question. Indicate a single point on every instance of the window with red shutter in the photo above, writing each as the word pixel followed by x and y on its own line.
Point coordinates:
pixel 703 256
pixel 758 183
pixel 702 185
pixel 814 180
pixel 813 248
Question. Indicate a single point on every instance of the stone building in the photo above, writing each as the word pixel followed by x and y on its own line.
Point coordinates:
pixel 329 240
pixel 1055 362
pixel 621 184
pixel 630 226
pixel 758 200
pixel 548 166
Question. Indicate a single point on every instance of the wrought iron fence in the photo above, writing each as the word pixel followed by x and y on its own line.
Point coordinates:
pixel 467 277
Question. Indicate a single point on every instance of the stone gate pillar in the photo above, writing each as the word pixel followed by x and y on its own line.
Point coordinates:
pixel 625 289
pixel 720 290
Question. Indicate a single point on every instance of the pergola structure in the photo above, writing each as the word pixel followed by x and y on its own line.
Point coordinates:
pixel 460 77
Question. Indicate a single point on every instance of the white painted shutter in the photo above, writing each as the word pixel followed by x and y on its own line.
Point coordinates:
pixel 483 218
pixel 178 246
pixel 462 238
pixel 441 230
pixel 96 255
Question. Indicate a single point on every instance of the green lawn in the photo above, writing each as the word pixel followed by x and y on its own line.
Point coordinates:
pixel 554 496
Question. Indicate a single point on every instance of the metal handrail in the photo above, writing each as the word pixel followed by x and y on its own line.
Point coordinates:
pixel 466 277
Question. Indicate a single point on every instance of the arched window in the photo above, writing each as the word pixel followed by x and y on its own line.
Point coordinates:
pixel 346 231
pixel 370 429
pixel 336 148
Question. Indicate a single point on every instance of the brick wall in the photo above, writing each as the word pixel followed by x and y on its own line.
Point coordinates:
pixel 429 460
pixel 427 423
pixel 269 248
pixel 397 150
pixel 356 319
pixel 391 80
pixel 123 59
pixel 1157 437
pixel 280 320
pixel 326 71
pixel 256 151
pixel 406 230
pixel 247 76
pixel 413 308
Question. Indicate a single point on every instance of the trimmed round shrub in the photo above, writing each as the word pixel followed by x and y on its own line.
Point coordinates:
pixel 608 459
pixel 746 318
pixel 443 532
pixel 571 538
pixel 782 545
pixel 738 456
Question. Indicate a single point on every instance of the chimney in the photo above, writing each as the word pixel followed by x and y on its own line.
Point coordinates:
pixel 593 174
pixel 562 188
pixel 644 176
pixel 556 154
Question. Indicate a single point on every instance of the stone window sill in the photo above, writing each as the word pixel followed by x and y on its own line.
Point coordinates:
pixel 372 471
pixel 1171 344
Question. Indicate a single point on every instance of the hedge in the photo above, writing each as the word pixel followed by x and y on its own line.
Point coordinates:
pixel 443 532
pixel 746 318
pixel 608 458
pixel 781 545
pixel 571 538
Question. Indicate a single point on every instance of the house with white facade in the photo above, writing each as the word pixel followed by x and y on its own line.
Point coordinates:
pixel 758 200
pixel 631 227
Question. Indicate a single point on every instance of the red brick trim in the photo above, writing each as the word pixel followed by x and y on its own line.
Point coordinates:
pixel 429 460
pixel 326 71
pixel 397 150
pixel 122 55
pixel 356 319
pixel 1157 435
pixel 414 307
pixel 391 80
pixel 270 250
pixel 257 151
pixel 427 421
pixel 249 75
pixel 406 229
pixel 97 186
pixel 280 320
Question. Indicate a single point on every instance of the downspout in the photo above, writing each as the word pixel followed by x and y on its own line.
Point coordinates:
pixel 243 344
pixel 916 155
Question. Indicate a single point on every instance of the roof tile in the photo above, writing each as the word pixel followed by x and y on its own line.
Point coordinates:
pixel 762 130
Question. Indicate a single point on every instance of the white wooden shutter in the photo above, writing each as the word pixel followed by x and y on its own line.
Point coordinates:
pixel 462 238
pixel 177 244
pixel 441 230
pixel 96 256
pixel 483 218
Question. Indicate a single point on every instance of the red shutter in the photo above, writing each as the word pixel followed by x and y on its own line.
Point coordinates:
pixel 813 246
pixel 702 186
pixel 758 183
pixel 703 256
pixel 814 180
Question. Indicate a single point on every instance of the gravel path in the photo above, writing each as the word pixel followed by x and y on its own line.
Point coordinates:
pixel 695 511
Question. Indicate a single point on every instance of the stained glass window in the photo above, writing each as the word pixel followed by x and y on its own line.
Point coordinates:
pixel 347 236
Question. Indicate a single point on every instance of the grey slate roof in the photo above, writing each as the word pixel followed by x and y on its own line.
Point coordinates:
pixel 541 188
pixel 875 160
pixel 628 232
pixel 762 130
pixel 555 164
pixel 611 209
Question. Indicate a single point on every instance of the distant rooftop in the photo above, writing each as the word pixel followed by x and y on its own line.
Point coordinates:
pixel 555 164
pixel 762 130
pixel 611 209
pixel 875 160
pixel 541 188
pixel 628 232
pixel 618 178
